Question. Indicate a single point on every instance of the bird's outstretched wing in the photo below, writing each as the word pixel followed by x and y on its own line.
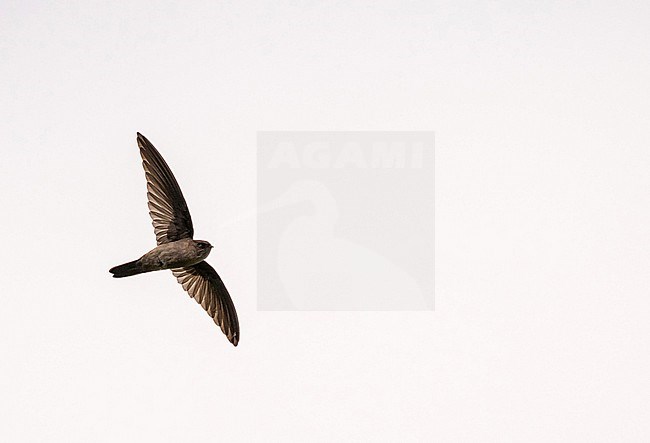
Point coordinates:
pixel 203 284
pixel 169 214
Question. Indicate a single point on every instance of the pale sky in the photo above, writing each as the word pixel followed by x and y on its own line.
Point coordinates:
pixel 540 111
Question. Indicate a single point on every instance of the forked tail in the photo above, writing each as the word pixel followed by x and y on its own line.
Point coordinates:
pixel 127 269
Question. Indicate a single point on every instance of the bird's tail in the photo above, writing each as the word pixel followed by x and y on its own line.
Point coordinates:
pixel 127 269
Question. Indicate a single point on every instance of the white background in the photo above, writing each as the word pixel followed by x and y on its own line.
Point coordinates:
pixel 541 325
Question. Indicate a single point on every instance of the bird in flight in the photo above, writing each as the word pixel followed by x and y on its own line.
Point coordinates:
pixel 176 249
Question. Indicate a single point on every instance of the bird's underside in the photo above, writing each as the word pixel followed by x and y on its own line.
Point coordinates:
pixel 176 248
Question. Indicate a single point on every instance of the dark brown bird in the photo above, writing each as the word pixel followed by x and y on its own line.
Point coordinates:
pixel 176 249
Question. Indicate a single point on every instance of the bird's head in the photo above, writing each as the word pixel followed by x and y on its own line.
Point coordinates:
pixel 203 248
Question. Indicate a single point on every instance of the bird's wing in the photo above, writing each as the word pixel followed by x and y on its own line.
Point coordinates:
pixel 169 214
pixel 203 284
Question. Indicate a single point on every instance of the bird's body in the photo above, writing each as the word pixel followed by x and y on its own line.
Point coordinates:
pixel 178 254
pixel 176 249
